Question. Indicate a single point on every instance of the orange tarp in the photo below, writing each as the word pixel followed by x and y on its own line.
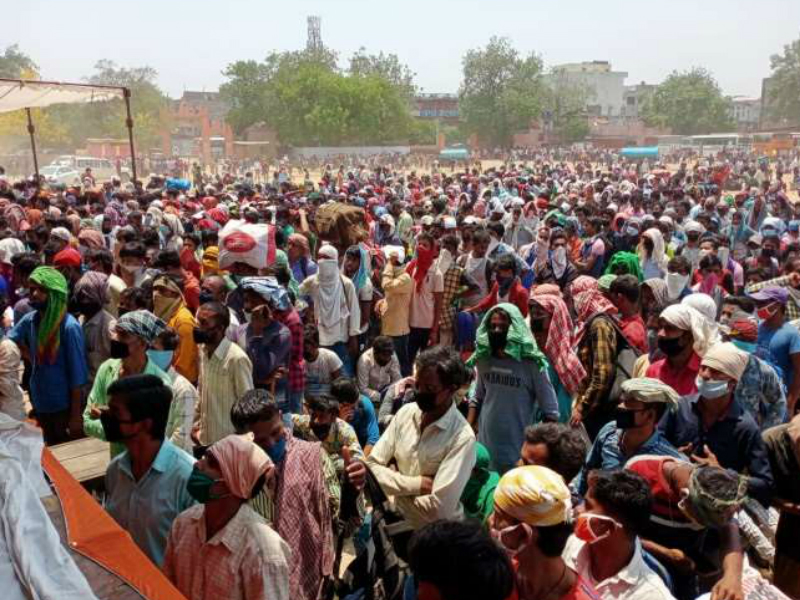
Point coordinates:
pixel 93 533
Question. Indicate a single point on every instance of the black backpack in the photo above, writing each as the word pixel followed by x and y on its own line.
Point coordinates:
pixel 378 570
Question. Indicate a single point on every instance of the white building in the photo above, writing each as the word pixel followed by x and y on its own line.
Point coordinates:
pixel 606 88
pixel 746 112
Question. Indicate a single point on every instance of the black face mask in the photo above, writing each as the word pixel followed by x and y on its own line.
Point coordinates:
pixel 321 431
pixel 425 400
pixel 111 427
pixel 119 349
pixel 201 336
pixel 537 325
pixel 206 297
pixel 497 340
pixel 307 356
pixel 767 252
pixel 671 346
pixel 626 419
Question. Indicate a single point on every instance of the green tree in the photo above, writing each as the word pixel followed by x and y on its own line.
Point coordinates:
pixel 307 100
pixel 565 107
pixel 14 63
pixel 386 66
pixel 688 103
pixel 501 92
pixel 149 108
pixel 784 91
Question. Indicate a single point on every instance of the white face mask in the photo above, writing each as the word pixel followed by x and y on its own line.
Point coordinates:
pixel 675 284
pixel 559 261
pixel 498 536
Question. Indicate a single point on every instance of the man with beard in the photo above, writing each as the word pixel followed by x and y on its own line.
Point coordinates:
pixel 512 385
pixel 431 444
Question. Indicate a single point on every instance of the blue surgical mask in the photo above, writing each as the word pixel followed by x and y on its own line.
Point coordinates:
pixel 711 388
pixel 161 358
pixel 749 347
pixel 277 451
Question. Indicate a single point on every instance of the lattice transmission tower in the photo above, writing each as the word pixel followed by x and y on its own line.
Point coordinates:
pixel 314 42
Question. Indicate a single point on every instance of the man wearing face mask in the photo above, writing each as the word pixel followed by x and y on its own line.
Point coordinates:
pixel 684 335
pixel 214 288
pixel 145 484
pixel 557 267
pixel 184 394
pixel 170 307
pixel 89 297
pixel 532 522
pixel 226 373
pixel 321 423
pixel 432 445
pixel 691 250
pixel 198 560
pixel 678 278
pixel 635 429
pixel 378 368
pixel 131 263
pixel 52 342
pixel 692 527
pixel 133 334
pixel 307 493
pixel 512 384
pixel 714 429
pixel 337 312
pixel 266 341
pixel 779 341
pixel 507 288
pixel 605 547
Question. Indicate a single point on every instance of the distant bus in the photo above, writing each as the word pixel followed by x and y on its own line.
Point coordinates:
pixel 770 143
pixel 454 154
pixel 709 145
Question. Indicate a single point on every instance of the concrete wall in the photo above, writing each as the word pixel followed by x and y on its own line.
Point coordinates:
pixel 324 151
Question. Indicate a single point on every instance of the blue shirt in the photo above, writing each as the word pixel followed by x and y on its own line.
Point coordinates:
pixel 147 508
pixel 778 345
pixel 606 452
pixel 735 440
pixel 51 384
pixel 300 271
pixel 365 422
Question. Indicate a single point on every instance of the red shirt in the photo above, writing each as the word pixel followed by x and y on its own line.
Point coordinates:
pixel 665 500
pixel 681 380
pixel 635 332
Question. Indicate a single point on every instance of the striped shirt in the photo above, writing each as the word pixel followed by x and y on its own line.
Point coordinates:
pixel 224 377
pixel 181 411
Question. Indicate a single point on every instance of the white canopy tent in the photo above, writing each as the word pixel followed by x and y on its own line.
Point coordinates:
pixel 18 94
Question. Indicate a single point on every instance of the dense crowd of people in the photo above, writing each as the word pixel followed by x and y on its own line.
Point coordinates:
pixel 568 376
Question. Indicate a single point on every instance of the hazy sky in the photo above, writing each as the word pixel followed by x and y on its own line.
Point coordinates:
pixel 189 42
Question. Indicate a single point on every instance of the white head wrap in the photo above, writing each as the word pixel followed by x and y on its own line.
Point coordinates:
pixel 726 358
pixel 685 317
pixel 702 303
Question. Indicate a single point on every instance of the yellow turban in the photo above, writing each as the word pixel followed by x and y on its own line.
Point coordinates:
pixel 534 495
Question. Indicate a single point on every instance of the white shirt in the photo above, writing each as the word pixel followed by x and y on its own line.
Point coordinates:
pixel 445 451
pixel 422 300
pixel 636 581
pixel 372 377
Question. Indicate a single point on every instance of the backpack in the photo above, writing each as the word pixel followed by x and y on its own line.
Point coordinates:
pixel 624 361
pixel 377 573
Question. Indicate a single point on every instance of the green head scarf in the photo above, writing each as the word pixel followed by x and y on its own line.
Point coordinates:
pixel 478 494
pixel 48 338
pixel 520 344
pixel 629 261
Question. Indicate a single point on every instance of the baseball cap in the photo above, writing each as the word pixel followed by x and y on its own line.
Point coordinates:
pixel 772 294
